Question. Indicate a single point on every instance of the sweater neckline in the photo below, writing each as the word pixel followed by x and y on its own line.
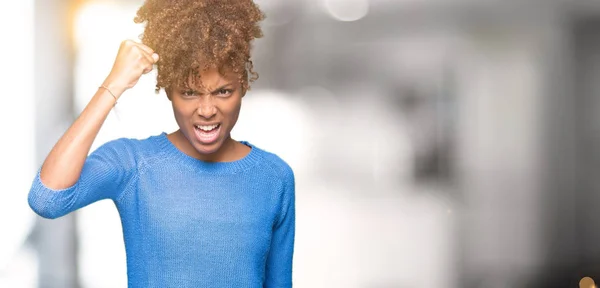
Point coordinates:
pixel 244 163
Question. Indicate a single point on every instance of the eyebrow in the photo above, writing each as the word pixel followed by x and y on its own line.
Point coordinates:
pixel 215 90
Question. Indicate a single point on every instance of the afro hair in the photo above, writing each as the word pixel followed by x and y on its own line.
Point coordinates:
pixel 193 35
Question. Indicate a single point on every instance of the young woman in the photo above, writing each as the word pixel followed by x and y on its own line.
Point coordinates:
pixel 198 209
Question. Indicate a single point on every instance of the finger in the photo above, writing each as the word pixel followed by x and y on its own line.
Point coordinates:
pixel 147 70
pixel 147 58
pixel 152 58
pixel 145 48
pixel 147 63
pixel 146 67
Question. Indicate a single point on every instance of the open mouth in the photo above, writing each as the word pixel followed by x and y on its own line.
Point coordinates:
pixel 207 134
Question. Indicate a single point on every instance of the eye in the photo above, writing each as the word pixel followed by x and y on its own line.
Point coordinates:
pixel 224 92
pixel 188 93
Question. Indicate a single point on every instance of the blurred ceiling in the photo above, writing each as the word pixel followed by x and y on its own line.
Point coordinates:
pixel 577 6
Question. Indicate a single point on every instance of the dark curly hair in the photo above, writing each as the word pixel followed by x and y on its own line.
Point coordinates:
pixel 193 35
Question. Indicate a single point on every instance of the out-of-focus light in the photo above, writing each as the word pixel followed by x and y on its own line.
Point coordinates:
pixel 278 123
pixel 95 21
pixel 17 115
pixel 587 282
pixel 99 28
pixel 347 10
pixel 278 12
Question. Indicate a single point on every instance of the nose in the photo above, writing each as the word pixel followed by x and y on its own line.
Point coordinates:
pixel 206 109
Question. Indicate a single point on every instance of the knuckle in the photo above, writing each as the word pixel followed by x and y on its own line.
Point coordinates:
pixel 140 57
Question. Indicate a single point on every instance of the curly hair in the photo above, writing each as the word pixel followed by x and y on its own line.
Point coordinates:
pixel 193 35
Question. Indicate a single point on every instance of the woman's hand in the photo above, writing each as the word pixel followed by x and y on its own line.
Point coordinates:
pixel 133 60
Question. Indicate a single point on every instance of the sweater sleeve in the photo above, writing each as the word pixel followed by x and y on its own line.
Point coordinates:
pixel 106 173
pixel 279 261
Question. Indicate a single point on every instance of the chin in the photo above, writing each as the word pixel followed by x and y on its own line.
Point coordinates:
pixel 207 149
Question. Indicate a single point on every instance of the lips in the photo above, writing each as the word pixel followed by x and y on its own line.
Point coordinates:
pixel 207 134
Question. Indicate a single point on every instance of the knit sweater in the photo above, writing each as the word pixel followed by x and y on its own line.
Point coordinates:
pixel 186 222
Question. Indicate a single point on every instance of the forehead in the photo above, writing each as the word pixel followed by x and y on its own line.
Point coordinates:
pixel 212 78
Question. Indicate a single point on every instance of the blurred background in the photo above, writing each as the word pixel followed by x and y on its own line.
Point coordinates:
pixel 436 143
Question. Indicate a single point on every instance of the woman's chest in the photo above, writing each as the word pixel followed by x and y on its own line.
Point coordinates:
pixel 212 214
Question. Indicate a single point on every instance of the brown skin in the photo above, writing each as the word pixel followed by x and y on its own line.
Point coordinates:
pixel 216 99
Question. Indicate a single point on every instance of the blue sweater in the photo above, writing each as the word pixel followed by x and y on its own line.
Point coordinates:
pixel 189 223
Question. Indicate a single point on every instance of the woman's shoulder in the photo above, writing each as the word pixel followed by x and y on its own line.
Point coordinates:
pixel 275 164
pixel 137 147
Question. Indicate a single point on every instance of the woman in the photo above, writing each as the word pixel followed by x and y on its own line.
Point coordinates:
pixel 198 209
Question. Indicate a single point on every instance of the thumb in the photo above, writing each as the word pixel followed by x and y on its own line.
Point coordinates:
pixel 155 57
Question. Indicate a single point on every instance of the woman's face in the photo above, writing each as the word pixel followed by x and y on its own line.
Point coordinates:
pixel 207 111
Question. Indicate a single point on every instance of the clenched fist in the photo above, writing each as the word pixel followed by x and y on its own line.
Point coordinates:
pixel 133 60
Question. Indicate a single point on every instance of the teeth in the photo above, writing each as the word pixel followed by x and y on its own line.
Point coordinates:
pixel 207 128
